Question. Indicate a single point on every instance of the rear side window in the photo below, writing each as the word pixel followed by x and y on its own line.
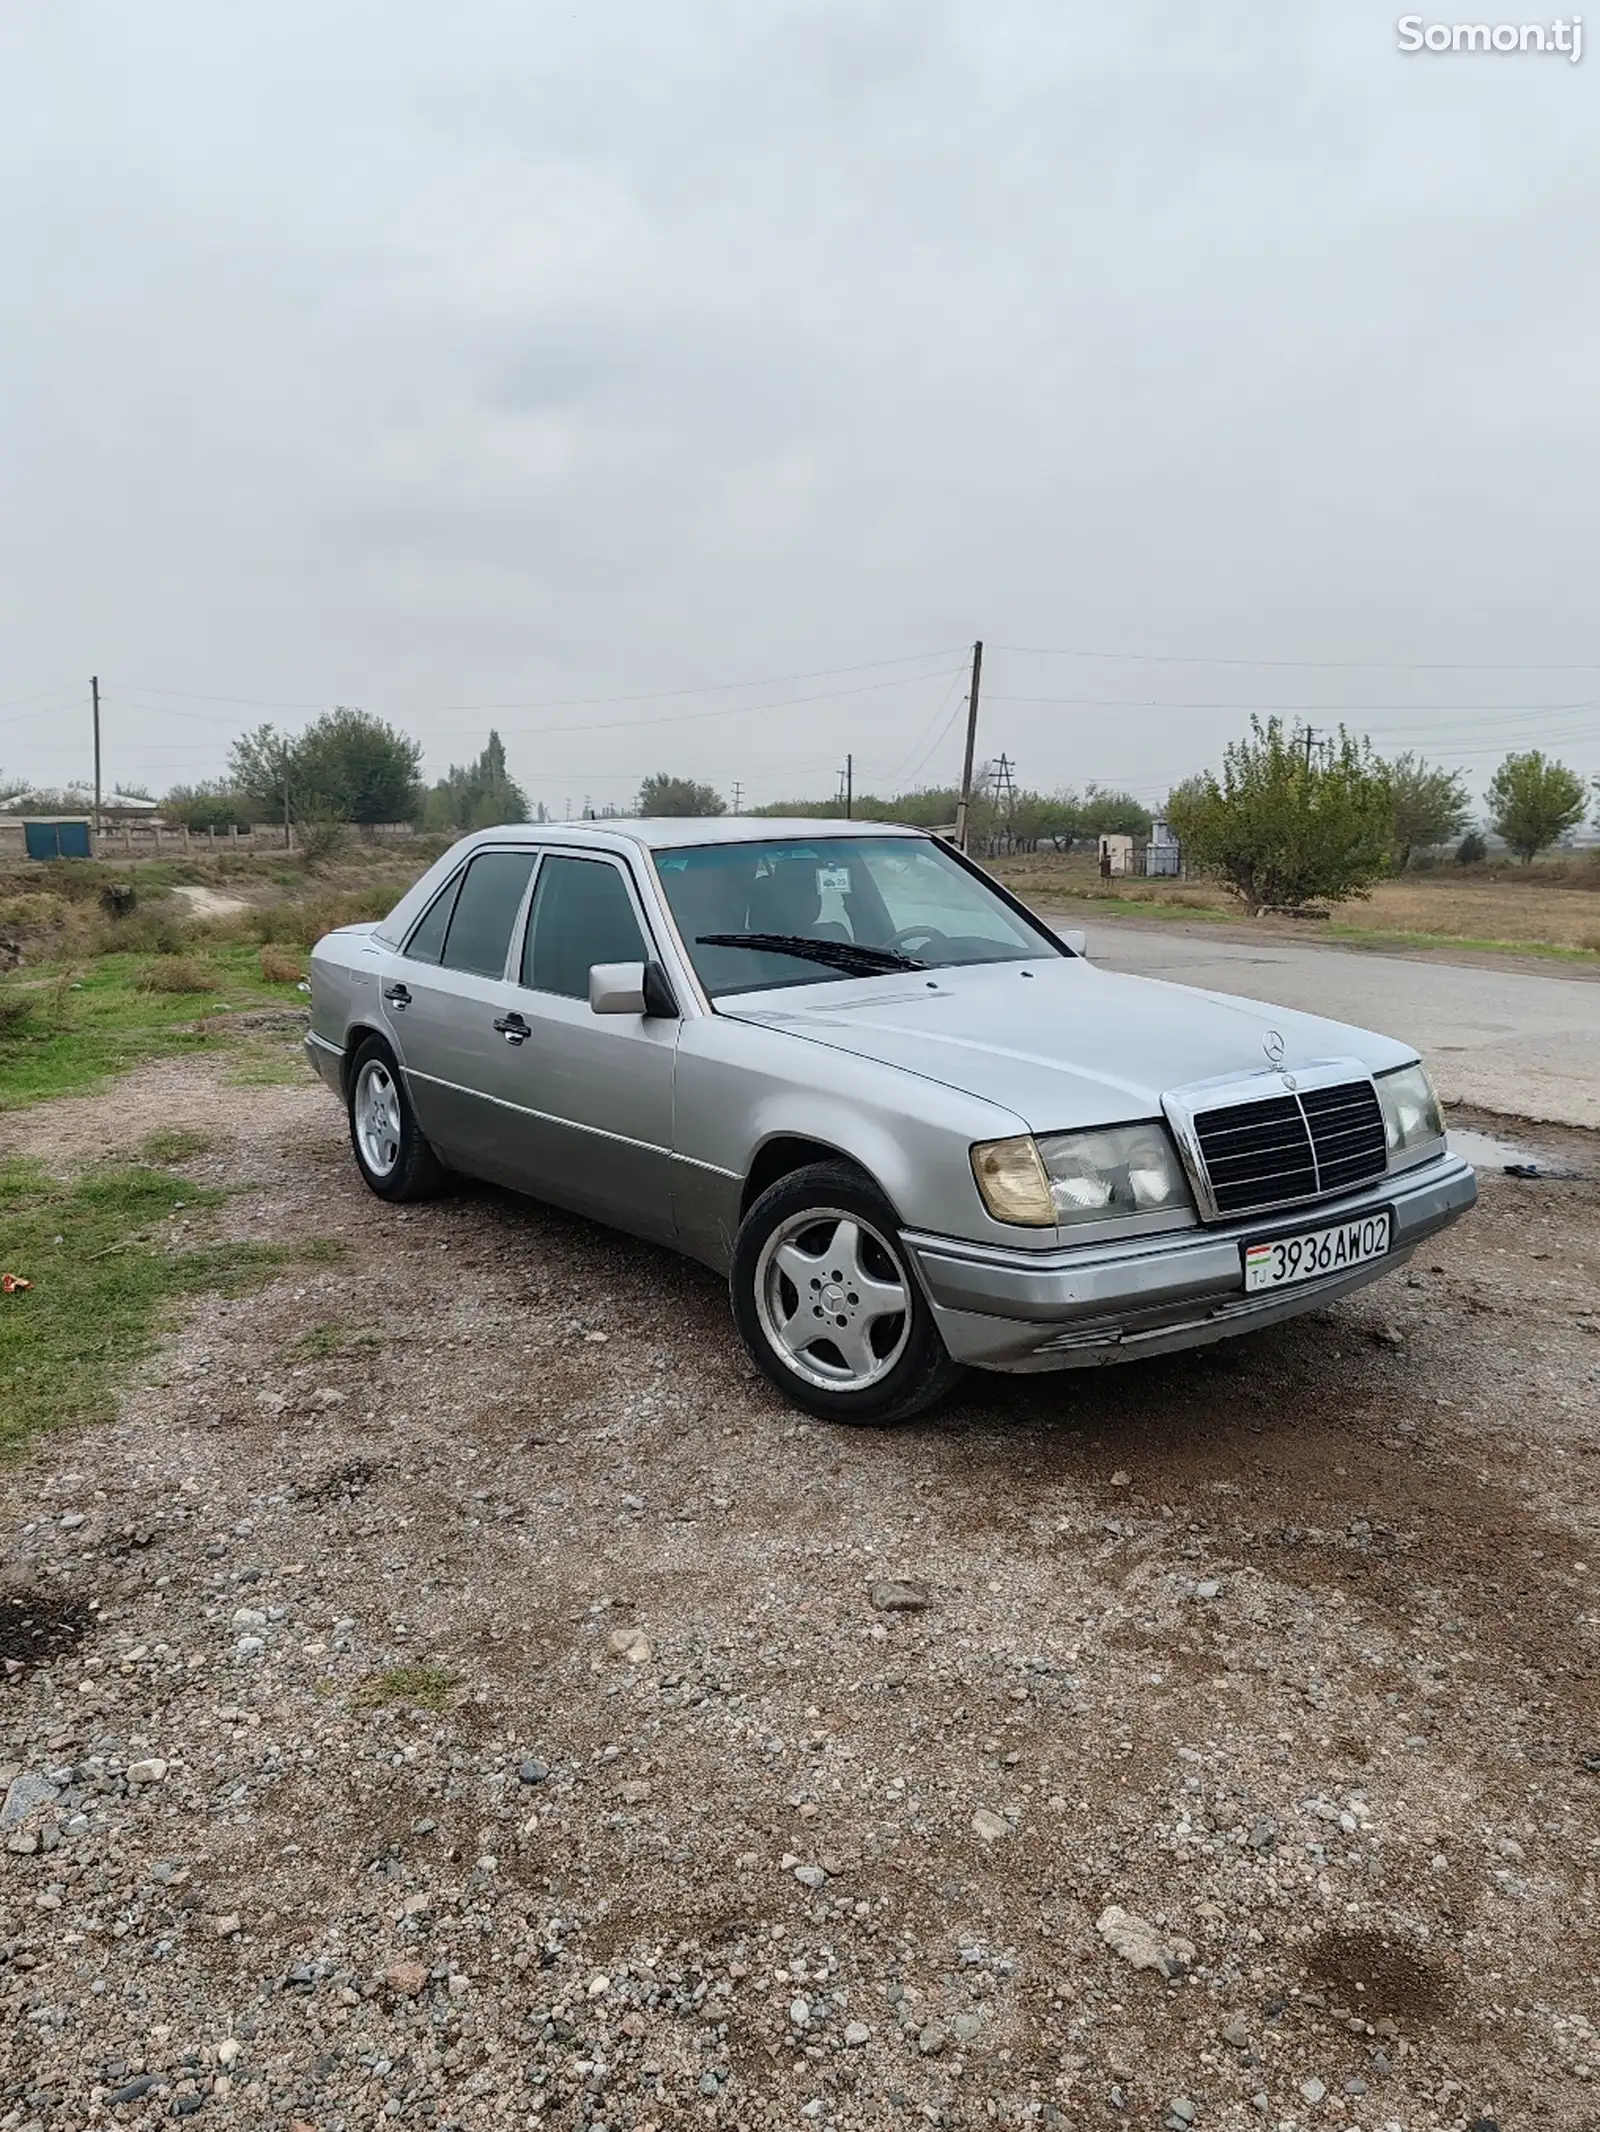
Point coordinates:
pixel 485 910
pixel 427 940
pixel 582 914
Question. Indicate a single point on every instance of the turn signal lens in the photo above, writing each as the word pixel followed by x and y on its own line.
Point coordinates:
pixel 1012 1183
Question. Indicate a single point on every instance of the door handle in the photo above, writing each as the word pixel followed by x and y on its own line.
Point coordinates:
pixel 513 1028
pixel 397 995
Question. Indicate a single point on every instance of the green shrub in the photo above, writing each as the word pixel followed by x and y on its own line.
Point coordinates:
pixel 177 973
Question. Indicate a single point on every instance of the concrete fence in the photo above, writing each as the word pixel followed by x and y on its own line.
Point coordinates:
pixel 149 840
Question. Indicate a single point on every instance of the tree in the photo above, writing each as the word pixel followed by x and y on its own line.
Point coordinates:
pixel 481 795
pixel 678 796
pixel 260 763
pixel 1430 806
pixel 212 804
pixel 1534 801
pixel 345 767
pixel 1112 814
pixel 352 767
pixel 1282 826
pixel 1472 850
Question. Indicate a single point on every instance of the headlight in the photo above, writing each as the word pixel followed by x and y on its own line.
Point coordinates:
pixel 1105 1176
pixel 1081 1177
pixel 1411 1118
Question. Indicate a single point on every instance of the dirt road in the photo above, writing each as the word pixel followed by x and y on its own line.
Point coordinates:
pixel 456 1693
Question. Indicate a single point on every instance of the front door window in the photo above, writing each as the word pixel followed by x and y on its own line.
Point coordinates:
pixel 582 914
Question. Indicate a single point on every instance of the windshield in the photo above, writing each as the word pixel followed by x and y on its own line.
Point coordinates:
pixel 853 907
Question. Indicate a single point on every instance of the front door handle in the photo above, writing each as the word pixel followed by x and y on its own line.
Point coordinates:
pixel 513 1028
pixel 397 995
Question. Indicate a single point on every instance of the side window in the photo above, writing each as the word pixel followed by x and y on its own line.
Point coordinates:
pixel 427 938
pixel 485 911
pixel 582 914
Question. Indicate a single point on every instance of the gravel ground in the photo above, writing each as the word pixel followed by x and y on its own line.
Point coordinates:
pixel 455 1692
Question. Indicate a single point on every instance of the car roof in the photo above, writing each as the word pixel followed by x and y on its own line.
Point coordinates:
pixel 665 833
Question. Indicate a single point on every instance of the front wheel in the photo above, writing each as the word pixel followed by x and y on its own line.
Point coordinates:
pixel 827 1304
pixel 394 1159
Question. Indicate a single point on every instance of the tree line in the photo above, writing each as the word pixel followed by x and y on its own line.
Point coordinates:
pixel 1285 821
pixel 349 767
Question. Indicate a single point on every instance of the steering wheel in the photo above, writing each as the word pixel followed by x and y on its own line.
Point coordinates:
pixel 930 933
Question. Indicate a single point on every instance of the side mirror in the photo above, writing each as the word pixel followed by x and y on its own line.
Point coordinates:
pixel 1078 940
pixel 631 988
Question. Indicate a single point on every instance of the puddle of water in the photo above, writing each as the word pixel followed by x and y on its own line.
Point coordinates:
pixel 1485 1152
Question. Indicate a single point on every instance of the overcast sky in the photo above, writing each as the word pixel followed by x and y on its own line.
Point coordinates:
pixel 466 361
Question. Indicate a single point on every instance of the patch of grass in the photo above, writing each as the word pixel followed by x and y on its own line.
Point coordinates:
pixel 184 975
pixel 334 1338
pixel 279 967
pixel 93 1020
pixel 107 1259
pixel 175 1143
pixel 1370 936
pixel 427 1687
pixel 263 1062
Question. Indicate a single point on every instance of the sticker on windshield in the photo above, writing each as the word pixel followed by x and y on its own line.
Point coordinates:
pixel 833 880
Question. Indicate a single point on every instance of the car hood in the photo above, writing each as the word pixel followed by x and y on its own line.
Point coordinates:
pixel 1059 1043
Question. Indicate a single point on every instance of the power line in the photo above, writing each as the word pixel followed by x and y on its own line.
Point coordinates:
pixel 1415 666
pixel 1185 703
pixel 67 688
pixel 618 725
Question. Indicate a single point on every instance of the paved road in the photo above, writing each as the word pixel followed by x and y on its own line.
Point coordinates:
pixel 1523 1045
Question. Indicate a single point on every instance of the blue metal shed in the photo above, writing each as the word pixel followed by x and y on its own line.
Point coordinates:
pixel 56 840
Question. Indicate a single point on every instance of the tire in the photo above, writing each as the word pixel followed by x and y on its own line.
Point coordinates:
pixel 391 1154
pixel 837 1348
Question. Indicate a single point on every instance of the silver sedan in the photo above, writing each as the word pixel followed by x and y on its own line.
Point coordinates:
pixel 915 1129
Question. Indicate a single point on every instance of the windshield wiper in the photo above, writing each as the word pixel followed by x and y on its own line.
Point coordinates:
pixel 851 956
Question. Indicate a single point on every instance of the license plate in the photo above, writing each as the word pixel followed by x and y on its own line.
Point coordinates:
pixel 1315 1253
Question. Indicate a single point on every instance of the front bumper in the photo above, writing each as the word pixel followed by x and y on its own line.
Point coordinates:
pixel 1070 1309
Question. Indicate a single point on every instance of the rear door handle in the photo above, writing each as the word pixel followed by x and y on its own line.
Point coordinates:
pixel 513 1028
pixel 397 995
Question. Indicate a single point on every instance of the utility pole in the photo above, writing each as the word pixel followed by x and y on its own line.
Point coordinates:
pixel 1311 735
pixel 849 785
pixel 94 690
pixel 738 796
pixel 964 803
pixel 288 829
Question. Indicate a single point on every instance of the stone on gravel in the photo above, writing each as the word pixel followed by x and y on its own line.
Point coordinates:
pixel 1237 2033
pixel 891 1596
pixel 150 1771
pixel 630 1644
pixel 1313 2090
pixel 26 1795
pixel 406 1977
pixel 857 2034
pixel 989 1826
pixel 532 1771
pixel 1141 1944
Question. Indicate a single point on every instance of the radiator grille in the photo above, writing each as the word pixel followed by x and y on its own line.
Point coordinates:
pixel 1292 1147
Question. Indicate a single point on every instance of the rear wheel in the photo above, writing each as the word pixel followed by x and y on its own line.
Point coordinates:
pixel 827 1304
pixel 394 1159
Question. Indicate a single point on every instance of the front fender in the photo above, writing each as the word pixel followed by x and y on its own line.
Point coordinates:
pixel 741 1086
